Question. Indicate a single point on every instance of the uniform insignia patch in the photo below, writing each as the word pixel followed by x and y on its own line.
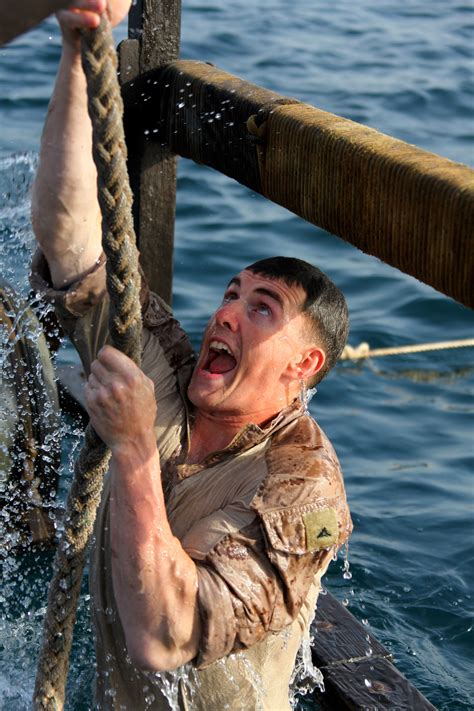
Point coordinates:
pixel 321 528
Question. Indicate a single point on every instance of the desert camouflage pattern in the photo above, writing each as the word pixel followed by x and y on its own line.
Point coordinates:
pixel 261 519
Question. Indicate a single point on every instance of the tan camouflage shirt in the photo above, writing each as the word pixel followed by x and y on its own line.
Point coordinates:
pixel 261 519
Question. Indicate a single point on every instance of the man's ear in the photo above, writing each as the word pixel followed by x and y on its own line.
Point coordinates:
pixel 307 363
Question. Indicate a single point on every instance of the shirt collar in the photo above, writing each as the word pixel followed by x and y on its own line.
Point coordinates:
pixel 249 436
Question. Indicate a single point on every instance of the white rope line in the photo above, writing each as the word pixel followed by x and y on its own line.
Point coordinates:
pixel 363 350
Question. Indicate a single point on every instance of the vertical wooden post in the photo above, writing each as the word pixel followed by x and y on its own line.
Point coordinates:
pixel 154 38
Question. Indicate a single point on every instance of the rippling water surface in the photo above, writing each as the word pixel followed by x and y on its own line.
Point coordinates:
pixel 403 425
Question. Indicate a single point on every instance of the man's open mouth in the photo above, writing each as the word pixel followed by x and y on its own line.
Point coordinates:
pixel 220 358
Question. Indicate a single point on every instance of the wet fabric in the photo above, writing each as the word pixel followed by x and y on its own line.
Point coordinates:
pixel 261 519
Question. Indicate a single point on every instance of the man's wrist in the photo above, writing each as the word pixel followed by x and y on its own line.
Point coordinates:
pixel 134 453
pixel 71 52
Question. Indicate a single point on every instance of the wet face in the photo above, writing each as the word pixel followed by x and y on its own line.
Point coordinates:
pixel 251 351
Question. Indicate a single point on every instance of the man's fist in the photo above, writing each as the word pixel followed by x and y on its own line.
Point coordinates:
pixel 120 400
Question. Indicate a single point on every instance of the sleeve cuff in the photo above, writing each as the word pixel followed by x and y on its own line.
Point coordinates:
pixel 78 297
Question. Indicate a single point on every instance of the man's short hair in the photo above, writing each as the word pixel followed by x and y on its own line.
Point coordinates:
pixel 325 305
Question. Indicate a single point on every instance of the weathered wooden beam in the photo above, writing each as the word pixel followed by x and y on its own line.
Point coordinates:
pixel 410 208
pixel 154 31
pixel 357 669
pixel 369 684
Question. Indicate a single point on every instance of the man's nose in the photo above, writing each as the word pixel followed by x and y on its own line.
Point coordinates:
pixel 228 315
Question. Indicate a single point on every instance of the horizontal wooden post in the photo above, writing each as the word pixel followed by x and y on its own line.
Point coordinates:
pixel 408 207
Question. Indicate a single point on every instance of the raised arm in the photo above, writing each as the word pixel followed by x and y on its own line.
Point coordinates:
pixel 65 211
pixel 19 16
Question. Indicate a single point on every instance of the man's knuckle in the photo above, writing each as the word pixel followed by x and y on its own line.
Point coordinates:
pixel 149 384
pixel 117 390
pixel 101 400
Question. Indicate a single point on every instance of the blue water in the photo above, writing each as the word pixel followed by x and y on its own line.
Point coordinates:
pixel 403 425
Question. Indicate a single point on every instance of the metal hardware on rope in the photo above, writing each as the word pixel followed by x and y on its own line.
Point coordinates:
pixel 123 285
pixel 363 350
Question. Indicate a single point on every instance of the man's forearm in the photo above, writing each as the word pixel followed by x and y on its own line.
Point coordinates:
pixel 155 581
pixel 65 210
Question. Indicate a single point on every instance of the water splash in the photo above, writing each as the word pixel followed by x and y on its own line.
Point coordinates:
pixel 25 577
pixel 346 573
pixel 16 237
pixel 306 677
pixel 306 395
pixel 173 685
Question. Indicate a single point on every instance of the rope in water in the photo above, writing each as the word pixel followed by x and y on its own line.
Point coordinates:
pixel 123 285
pixel 363 350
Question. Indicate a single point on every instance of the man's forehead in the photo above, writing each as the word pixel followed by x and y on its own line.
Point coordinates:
pixel 275 287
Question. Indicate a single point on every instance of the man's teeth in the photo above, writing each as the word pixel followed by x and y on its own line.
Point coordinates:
pixel 218 346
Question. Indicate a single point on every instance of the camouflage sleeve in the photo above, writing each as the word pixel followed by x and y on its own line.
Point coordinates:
pixel 254 580
pixel 82 310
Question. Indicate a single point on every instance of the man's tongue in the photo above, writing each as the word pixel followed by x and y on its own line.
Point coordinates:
pixel 221 363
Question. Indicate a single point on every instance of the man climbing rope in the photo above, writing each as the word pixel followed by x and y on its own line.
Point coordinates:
pixel 224 502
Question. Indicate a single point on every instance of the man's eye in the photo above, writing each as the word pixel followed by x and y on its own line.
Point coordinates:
pixel 230 296
pixel 263 310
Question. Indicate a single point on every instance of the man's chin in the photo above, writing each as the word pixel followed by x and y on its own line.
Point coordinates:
pixel 205 395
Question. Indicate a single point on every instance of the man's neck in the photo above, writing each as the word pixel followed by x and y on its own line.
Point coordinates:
pixel 211 433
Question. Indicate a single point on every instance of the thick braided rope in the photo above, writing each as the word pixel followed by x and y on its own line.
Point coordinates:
pixel 123 284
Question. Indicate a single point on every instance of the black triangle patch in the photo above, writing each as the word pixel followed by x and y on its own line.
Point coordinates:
pixel 324 533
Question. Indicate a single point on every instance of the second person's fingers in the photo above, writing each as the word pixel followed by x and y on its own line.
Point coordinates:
pixel 72 20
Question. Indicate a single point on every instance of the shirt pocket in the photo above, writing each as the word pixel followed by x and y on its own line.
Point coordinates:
pixel 301 529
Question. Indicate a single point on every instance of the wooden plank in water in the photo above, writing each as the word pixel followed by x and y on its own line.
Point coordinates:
pixel 374 684
pixel 357 669
pixel 411 208
pixel 154 31
pixel 340 636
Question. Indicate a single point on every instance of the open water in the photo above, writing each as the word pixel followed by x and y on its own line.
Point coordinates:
pixel 402 426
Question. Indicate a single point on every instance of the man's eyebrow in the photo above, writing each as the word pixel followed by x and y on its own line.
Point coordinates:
pixel 260 290
pixel 234 280
pixel 271 294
